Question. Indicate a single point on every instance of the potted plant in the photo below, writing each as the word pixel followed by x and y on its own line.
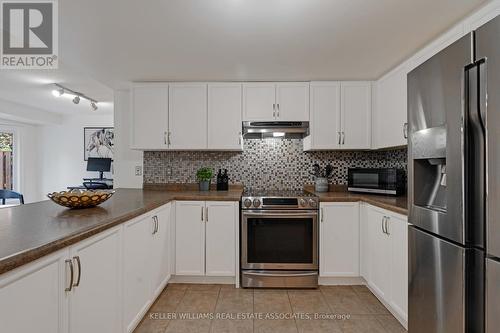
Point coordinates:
pixel 204 175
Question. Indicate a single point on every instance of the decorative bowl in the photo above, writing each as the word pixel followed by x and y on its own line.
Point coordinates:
pixel 80 198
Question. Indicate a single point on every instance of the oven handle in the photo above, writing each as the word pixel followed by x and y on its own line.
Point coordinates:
pixel 281 274
pixel 282 214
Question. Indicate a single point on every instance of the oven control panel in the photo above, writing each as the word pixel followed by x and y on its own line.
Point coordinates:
pixel 307 202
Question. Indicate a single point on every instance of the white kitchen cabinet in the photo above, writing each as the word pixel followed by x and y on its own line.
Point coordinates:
pixel 224 116
pixel 33 297
pixel 398 230
pixel 324 116
pixel 160 255
pixel 379 254
pixel 205 238
pixel 389 116
pixel 387 257
pixel 259 101
pixel 187 115
pixel 271 101
pixel 292 101
pixel 149 116
pixel 95 301
pixel 355 108
pixel 340 114
pixel 190 238
pixel 364 248
pixel 339 239
pixel 221 218
pixel 137 235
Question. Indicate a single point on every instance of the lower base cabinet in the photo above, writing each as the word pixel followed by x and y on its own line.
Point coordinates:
pixel 205 238
pixel 385 258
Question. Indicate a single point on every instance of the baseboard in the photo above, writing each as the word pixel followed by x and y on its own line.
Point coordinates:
pixel 341 281
pixel 403 321
pixel 202 279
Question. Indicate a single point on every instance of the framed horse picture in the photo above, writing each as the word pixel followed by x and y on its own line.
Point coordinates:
pixel 98 142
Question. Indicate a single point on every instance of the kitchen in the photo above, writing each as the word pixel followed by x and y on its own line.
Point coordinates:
pixel 256 198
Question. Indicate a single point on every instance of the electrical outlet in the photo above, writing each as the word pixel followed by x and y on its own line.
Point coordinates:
pixel 169 171
pixel 138 170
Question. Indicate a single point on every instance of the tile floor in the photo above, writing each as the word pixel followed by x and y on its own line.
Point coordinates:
pixel 222 308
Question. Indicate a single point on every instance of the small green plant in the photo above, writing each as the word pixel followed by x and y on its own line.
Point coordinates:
pixel 204 174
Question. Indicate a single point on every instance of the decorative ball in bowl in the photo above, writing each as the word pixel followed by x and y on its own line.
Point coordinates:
pixel 76 199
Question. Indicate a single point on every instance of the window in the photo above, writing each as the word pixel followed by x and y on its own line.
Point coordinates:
pixel 6 160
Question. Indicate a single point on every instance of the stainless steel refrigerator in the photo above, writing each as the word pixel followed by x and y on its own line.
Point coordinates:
pixel 454 187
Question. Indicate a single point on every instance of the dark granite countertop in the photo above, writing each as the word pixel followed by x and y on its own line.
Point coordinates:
pixel 29 232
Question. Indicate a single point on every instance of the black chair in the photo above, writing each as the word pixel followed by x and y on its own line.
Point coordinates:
pixel 95 186
pixel 7 194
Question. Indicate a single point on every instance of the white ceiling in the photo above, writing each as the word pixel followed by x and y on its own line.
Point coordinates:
pixel 117 41
pixel 121 41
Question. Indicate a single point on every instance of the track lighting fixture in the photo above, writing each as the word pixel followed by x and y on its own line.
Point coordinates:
pixel 60 90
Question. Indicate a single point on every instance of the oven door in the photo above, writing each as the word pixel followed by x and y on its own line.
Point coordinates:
pixel 279 239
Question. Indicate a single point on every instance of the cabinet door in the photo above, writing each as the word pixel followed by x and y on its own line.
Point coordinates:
pixel 259 100
pixel 190 238
pixel 355 104
pixel 137 236
pixel 398 230
pixel 224 116
pixel 94 302
pixel 339 239
pixel 324 116
pixel 160 256
pixel 364 246
pixel 149 116
pixel 221 219
pixel 188 115
pixel 380 254
pixel 390 111
pixel 32 297
pixel 292 101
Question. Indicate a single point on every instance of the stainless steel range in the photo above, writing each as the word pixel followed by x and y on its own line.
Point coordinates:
pixel 279 239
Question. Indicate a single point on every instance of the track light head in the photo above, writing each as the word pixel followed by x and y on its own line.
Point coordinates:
pixel 58 92
pixel 93 105
pixel 76 100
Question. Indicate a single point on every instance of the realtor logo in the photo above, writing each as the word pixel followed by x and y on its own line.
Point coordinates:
pixel 29 35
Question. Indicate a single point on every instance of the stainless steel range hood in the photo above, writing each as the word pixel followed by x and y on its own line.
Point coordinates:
pixel 276 129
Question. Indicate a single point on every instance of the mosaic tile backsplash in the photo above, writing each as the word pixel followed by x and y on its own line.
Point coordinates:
pixel 267 163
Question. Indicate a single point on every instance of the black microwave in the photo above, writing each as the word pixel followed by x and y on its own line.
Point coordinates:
pixel 390 181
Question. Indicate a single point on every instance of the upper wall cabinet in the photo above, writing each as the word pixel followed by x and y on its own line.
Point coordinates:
pixel 268 101
pixel 390 117
pixel 324 116
pixel 224 116
pixel 187 116
pixel 356 110
pixel 149 116
pixel 340 116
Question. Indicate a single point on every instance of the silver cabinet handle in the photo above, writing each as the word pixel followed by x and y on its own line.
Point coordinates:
pixel 382 224
pixel 322 214
pixel 338 133
pixel 278 110
pixel 274 110
pixel 70 262
pixel 405 130
pixel 157 224
pixel 206 214
pixel 79 265
pixel 154 225
pixel 387 226
pixel 343 138
pixel 202 219
pixel 239 138
pixel 168 138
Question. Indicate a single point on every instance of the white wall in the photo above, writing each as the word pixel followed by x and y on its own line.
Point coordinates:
pixel 61 149
pixel 125 159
